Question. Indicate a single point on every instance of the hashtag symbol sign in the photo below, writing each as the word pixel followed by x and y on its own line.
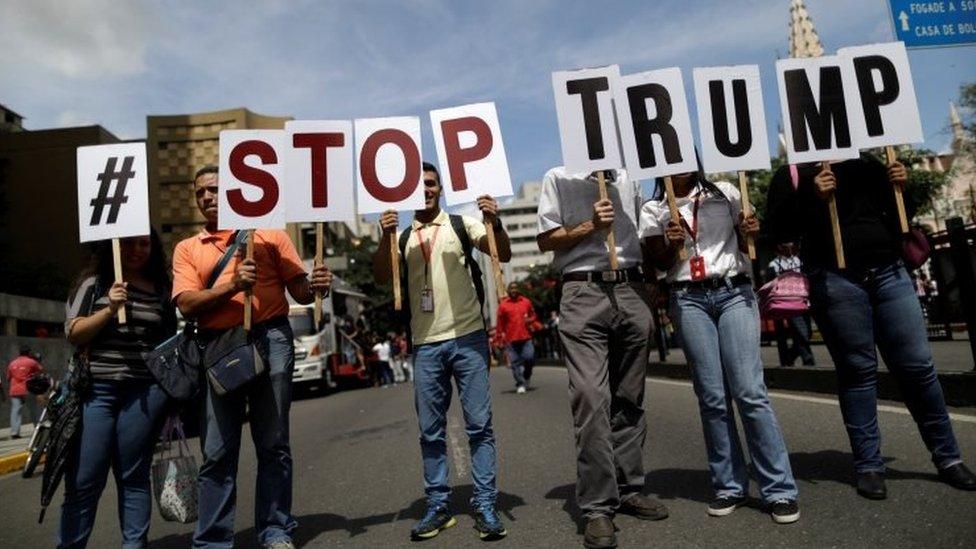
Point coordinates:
pixel 114 201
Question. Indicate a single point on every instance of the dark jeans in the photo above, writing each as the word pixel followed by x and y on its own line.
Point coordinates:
pixel 798 330
pixel 268 399
pixel 120 423
pixel 880 308
pixel 521 355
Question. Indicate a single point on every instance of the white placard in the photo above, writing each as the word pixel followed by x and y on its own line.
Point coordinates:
pixel 471 153
pixel 881 78
pixel 731 119
pixel 587 129
pixel 812 89
pixel 655 127
pixel 113 191
pixel 388 162
pixel 318 183
pixel 251 170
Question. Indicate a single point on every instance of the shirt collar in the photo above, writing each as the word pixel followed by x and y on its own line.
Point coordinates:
pixel 207 236
pixel 441 219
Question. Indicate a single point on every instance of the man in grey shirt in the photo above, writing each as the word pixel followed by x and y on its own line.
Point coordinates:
pixel 600 309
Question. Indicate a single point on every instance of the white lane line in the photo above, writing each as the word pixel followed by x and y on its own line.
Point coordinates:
pixel 458 455
pixel 821 400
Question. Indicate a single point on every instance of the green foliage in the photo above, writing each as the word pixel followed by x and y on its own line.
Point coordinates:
pixel 378 313
pixel 967 104
pixel 759 182
pixel 541 286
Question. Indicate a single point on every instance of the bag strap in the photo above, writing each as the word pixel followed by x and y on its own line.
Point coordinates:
pixel 236 240
pixel 457 223
pixel 794 176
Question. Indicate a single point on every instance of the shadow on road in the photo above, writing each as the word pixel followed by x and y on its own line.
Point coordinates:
pixel 312 526
pixel 838 466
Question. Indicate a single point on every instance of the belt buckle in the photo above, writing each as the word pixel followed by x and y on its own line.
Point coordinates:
pixel 609 276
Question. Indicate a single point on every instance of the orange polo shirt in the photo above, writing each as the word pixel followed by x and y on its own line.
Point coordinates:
pixel 277 263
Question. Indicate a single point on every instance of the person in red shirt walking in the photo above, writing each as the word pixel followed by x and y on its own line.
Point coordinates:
pixel 19 371
pixel 515 315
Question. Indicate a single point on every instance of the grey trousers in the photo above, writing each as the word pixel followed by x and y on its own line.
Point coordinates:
pixel 606 332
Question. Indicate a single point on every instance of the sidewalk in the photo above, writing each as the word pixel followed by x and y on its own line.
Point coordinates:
pixel 13 452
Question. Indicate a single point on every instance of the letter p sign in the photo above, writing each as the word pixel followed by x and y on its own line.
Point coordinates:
pixel 471 153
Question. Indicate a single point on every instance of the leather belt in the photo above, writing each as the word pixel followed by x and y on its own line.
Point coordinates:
pixel 632 274
pixel 711 283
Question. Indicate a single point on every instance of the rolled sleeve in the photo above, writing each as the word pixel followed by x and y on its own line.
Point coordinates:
pixel 186 278
pixel 651 220
pixel 550 216
pixel 78 303
pixel 476 229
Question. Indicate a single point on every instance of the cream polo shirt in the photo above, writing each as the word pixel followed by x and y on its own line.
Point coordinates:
pixel 457 311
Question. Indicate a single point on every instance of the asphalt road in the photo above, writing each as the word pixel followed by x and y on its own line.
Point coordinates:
pixel 358 482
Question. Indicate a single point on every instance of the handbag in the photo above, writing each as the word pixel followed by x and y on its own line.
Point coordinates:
pixel 915 249
pixel 231 360
pixel 174 476
pixel 175 363
pixel 785 296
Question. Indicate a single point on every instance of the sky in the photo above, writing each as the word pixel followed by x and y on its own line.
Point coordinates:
pixel 114 62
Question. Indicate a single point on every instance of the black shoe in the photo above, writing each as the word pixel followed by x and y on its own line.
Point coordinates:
pixel 720 507
pixel 435 520
pixel 871 485
pixel 958 476
pixel 784 511
pixel 643 507
pixel 488 525
pixel 600 533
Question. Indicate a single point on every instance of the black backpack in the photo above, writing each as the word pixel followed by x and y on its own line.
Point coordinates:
pixel 457 224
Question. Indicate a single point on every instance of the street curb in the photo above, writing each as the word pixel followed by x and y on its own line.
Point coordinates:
pixel 12 462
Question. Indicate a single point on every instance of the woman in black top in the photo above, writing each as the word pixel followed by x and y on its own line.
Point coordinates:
pixel 123 410
pixel 870 303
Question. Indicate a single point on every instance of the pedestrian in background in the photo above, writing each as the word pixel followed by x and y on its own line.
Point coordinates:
pixel 514 317
pixel 449 341
pixel 797 328
pixel 605 327
pixel 870 304
pixel 19 370
pixel 123 410
pixel 714 309
pixel 381 352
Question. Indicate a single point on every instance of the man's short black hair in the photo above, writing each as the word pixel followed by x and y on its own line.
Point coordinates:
pixel 210 168
pixel 428 167
pixel 25 350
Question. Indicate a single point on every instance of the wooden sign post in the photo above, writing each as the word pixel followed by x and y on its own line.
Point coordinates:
pixel 395 267
pixel 319 248
pixel 611 240
pixel 249 293
pixel 117 263
pixel 496 266
pixel 835 225
pixel 747 211
pixel 899 199
pixel 673 208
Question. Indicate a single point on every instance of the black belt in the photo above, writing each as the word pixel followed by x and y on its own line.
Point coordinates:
pixel 632 274
pixel 711 283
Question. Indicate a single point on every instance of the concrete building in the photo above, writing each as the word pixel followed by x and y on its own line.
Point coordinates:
pixel 521 222
pixel 959 196
pixel 10 121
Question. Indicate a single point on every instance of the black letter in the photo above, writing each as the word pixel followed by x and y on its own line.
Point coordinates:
pixel 720 123
pixel 803 109
pixel 587 89
pixel 872 99
pixel 644 128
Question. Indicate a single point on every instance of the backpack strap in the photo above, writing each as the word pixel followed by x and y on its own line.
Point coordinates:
pixel 236 240
pixel 457 223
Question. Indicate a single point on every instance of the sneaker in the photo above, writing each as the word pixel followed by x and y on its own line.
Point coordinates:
pixel 488 525
pixel 720 507
pixel 784 511
pixel 643 507
pixel 520 390
pixel 600 533
pixel 435 520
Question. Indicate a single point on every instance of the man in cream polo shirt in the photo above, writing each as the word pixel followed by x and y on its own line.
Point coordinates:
pixel 449 339
pixel 602 309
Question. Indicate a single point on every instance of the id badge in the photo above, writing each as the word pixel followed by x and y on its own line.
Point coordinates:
pixel 697 265
pixel 427 300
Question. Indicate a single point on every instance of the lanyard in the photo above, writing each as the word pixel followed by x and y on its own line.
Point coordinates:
pixel 693 230
pixel 427 249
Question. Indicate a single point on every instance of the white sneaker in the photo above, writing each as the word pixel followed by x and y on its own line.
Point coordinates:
pixel 520 390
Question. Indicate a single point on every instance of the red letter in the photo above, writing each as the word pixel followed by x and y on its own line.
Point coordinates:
pixel 367 165
pixel 456 156
pixel 319 144
pixel 254 176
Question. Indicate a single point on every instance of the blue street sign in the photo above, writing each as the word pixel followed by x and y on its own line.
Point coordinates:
pixel 940 23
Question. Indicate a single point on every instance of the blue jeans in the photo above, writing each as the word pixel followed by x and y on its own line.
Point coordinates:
pixel 268 400
pixel 466 360
pixel 521 355
pixel 719 332
pixel 880 308
pixel 17 404
pixel 120 424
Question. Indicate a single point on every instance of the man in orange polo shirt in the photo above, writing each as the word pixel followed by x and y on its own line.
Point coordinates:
pixel 275 267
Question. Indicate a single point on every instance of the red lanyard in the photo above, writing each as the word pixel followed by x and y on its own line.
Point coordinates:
pixel 427 249
pixel 693 230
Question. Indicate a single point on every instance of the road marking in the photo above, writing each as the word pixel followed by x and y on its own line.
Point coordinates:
pixel 454 437
pixel 821 400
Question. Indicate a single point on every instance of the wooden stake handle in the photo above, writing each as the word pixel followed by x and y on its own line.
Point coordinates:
pixel 249 254
pixel 395 267
pixel 673 208
pixel 611 240
pixel 747 211
pixel 319 246
pixel 899 199
pixel 117 265
pixel 496 266
pixel 835 226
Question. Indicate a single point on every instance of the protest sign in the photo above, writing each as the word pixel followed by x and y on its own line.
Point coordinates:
pixel 732 125
pixel 113 197
pixel 319 176
pixel 472 161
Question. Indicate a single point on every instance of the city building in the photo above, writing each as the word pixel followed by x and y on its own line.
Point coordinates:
pixel 958 198
pixel 521 223
pixel 10 121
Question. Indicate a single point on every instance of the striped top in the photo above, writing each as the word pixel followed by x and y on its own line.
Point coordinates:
pixel 119 352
